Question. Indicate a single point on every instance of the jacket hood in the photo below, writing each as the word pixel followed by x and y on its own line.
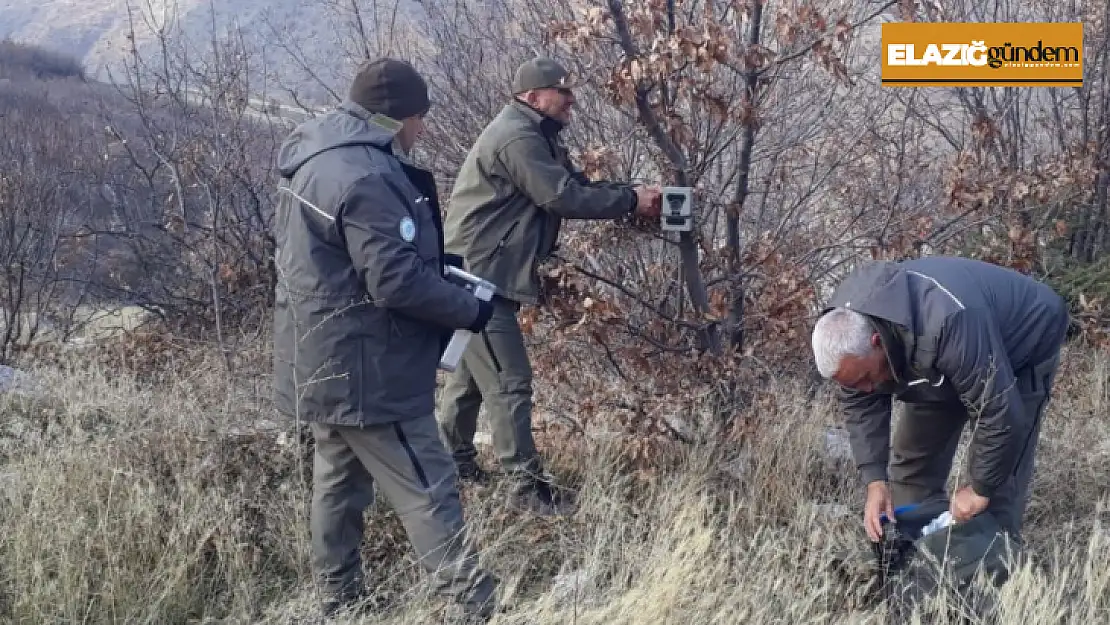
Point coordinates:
pixel 881 291
pixel 349 124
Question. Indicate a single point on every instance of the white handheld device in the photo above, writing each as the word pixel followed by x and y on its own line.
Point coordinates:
pixel 481 289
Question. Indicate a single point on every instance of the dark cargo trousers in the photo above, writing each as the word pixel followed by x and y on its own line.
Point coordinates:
pixel 408 463
pixel 495 369
pixel 927 436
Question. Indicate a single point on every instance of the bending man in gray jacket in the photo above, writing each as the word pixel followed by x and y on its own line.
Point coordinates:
pixel 953 338
pixel 362 313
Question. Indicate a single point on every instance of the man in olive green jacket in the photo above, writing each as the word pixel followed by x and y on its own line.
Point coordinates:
pixel 513 191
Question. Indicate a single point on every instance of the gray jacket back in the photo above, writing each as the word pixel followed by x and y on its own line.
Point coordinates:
pixel 959 331
pixel 361 309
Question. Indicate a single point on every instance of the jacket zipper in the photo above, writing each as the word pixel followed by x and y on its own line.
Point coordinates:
pixel 501 243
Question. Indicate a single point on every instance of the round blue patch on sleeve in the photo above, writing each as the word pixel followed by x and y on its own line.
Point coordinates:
pixel 408 229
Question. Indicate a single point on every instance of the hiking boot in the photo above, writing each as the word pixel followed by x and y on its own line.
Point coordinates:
pixel 470 472
pixel 538 495
pixel 352 598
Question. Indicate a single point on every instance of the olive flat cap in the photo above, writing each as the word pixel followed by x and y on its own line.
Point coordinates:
pixel 540 73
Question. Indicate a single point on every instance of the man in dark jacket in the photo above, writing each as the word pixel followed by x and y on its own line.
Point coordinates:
pixel 514 189
pixel 362 312
pixel 954 339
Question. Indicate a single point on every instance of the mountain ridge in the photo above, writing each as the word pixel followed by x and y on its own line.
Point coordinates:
pixel 95 32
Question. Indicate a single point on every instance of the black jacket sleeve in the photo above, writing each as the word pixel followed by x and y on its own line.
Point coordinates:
pixel 867 417
pixel 971 354
pixel 392 269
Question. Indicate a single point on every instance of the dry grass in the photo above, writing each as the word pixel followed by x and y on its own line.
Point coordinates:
pixel 128 500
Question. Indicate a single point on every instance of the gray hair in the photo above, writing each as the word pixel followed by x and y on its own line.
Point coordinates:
pixel 839 333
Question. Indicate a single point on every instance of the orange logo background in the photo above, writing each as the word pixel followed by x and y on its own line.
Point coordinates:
pixel 982 54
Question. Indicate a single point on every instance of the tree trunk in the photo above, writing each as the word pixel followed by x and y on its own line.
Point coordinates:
pixel 747 143
pixel 688 249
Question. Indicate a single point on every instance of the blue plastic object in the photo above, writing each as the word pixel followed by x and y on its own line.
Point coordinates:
pixel 912 518
pixel 899 511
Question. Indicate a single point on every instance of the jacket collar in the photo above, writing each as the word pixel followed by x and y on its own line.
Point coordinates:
pixel 893 347
pixel 386 145
pixel 549 126
pixel 384 131
pixel 894 340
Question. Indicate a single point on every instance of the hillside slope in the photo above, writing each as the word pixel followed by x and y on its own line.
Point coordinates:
pixel 95 31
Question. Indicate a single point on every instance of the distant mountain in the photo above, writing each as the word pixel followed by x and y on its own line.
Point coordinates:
pixel 95 31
